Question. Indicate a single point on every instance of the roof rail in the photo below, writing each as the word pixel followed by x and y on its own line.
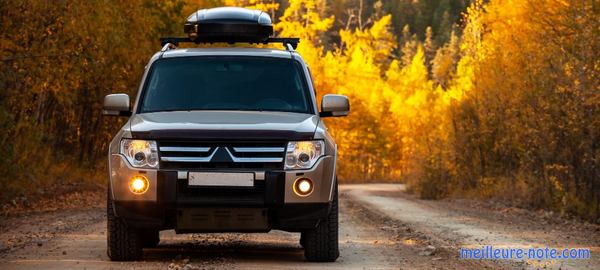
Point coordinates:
pixel 292 42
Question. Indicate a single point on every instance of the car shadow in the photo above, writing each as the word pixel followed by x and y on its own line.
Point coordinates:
pixel 211 250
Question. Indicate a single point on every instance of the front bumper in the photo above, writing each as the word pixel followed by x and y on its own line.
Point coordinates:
pixel 160 216
pixel 169 201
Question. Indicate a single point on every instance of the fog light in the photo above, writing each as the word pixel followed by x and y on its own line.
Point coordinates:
pixel 303 187
pixel 138 184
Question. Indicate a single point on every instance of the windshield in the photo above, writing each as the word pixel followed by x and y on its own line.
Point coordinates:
pixel 225 83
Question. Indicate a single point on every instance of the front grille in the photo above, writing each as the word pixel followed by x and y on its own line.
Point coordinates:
pixel 221 155
pixel 249 196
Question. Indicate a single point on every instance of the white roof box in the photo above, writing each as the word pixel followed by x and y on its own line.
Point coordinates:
pixel 229 24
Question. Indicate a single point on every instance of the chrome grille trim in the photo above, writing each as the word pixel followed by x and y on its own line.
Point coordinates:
pixel 184 149
pixel 186 159
pixel 189 159
pixel 208 159
pixel 259 149
pixel 253 159
pixel 236 159
pixel 221 155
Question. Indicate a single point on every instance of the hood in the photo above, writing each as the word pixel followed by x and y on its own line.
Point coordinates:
pixel 224 125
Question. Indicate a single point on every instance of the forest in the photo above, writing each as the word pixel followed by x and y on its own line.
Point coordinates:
pixel 495 99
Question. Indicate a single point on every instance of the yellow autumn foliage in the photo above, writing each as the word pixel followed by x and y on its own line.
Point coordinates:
pixel 509 107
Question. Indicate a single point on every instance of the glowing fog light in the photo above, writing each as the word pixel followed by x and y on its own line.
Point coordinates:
pixel 303 187
pixel 138 184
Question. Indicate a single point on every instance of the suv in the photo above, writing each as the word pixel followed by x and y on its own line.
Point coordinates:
pixel 223 140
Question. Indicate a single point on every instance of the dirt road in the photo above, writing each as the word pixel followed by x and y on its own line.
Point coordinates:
pixel 381 228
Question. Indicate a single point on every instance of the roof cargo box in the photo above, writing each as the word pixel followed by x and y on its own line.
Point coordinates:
pixel 229 24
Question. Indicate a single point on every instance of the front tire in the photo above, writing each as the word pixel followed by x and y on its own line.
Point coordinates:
pixel 321 243
pixel 124 244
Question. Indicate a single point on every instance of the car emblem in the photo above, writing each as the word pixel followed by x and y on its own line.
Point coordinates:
pixel 221 154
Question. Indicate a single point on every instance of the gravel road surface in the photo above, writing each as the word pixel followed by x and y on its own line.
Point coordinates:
pixel 381 227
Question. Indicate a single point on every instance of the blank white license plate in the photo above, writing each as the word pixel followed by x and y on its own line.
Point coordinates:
pixel 221 179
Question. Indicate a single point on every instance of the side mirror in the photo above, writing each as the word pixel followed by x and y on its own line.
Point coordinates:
pixel 334 106
pixel 116 105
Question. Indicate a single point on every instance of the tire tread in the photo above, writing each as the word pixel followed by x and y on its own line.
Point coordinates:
pixel 124 244
pixel 321 244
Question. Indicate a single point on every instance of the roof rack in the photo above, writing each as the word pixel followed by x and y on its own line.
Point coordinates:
pixel 292 42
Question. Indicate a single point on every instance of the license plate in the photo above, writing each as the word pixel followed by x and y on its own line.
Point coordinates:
pixel 221 179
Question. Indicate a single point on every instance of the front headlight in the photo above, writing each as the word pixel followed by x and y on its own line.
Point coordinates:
pixel 140 153
pixel 304 154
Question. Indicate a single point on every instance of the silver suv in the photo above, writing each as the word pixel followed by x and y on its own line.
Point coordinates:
pixel 223 140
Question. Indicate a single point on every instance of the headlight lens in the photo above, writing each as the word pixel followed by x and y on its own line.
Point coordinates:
pixel 303 154
pixel 140 153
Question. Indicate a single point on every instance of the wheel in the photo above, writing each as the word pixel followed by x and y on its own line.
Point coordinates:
pixel 150 238
pixel 124 244
pixel 321 243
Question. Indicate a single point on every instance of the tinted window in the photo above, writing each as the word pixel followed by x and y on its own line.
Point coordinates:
pixel 226 83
